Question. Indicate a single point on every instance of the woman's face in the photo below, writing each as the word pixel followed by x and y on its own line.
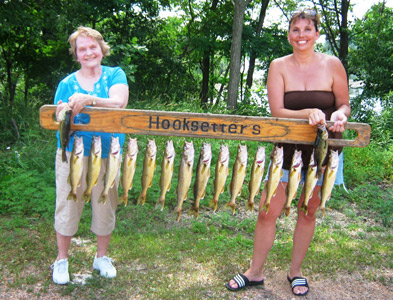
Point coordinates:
pixel 302 34
pixel 88 52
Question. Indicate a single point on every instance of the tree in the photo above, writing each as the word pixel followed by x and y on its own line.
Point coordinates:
pixel 234 73
pixel 371 60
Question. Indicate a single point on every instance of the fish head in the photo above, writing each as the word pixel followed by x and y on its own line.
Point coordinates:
pixel 206 152
pixel 151 148
pixel 312 160
pixel 278 155
pixel 333 159
pixel 132 147
pixel 260 155
pixel 169 149
pixel 115 146
pixel 242 154
pixel 297 159
pixel 96 145
pixel 223 156
pixel 188 152
pixel 78 145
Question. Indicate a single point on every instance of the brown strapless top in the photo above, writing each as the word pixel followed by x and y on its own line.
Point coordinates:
pixel 297 100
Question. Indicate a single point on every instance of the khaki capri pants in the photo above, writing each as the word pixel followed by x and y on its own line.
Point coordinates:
pixel 68 212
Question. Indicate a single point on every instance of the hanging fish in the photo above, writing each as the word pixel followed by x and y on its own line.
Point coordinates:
pixel 238 175
pixel 222 171
pixel 185 176
pixel 149 166
pixel 202 177
pixel 129 167
pixel 94 167
pixel 295 175
pixel 166 172
pixel 275 173
pixel 76 167
pixel 329 178
pixel 257 170
pixel 112 168
pixel 64 129
pixel 320 148
pixel 310 183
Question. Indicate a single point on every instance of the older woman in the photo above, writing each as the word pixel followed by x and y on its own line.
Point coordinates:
pixel 303 85
pixel 92 85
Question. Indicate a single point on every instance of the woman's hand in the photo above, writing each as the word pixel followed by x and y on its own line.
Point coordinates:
pixel 316 117
pixel 78 102
pixel 339 119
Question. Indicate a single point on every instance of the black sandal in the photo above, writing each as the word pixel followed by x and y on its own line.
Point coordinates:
pixel 298 281
pixel 242 282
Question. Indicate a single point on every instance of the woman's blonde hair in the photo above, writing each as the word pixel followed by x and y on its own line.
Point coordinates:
pixel 88 32
pixel 308 14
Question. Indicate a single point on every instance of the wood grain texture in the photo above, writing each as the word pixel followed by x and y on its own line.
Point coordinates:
pixel 200 125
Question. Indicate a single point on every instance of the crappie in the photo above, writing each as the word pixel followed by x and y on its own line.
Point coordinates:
pixel 129 166
pixel 112 168
pixel 328 179
pixel 149 166
pixel 320 148
pixel 222 171
pixel 185 176
pixel 94 167
pixel 309 185
pixel 295 175
pixel 166 172
pixel 238 175
pixel 202 177
pixel 64 129
pixel 275 173
pixel 76 167
pixel 257 170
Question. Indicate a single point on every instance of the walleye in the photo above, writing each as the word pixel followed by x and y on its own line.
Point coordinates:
pixel 275 173
pixel 112 168
pixel 202 177
pixel 238 175
pixel 320 148
pixel 76 167
pixel 295 175
pixel 222 171
pixel 64 129
pixel 94 167
pixel 257 170
pixel 129 166
pixel 328 179
pixel 149 166
pixel 166 172
pixel 185 176
pixel 311 181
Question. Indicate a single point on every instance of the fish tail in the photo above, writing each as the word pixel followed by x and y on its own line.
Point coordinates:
pixel 232 205
pixel 178 212
pixel 265 207
pixel 142 198
pixel 124 198
pixel 160 203
pixel 86 197
pixel 194 211
pixel 250 205
pixel 214 204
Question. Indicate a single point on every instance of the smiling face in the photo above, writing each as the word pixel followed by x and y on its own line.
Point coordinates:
pixel 88 52
pixel 302 34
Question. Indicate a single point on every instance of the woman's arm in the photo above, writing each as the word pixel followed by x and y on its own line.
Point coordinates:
pixel 118 98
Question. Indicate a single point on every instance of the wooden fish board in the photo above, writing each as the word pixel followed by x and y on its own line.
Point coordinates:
pixel 202 125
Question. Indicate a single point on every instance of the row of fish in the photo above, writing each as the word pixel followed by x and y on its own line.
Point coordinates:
pixel 314 171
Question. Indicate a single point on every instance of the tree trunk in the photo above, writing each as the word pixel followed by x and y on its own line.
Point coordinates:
pixel 251 67
pixel 237 30
pixel 343 53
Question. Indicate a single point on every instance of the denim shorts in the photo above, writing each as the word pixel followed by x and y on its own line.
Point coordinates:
pixel 339 176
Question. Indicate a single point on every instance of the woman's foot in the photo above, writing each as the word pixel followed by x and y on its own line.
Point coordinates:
pixel 251 279
pixel 299 285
